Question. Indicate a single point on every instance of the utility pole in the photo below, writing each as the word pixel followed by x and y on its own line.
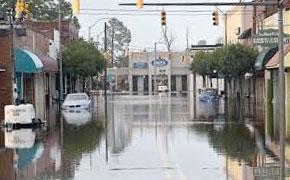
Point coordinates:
pixel 155 73
pixel 105 90
pixel 105 75
pixel 112 51
pixel 60 54
pixel 281 91
pixel 12 54
pixel 226 29
pixel 187 44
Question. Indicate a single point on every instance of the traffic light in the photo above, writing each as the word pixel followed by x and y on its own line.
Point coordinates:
pixel 139 4
pixel 76 7
pixel 21 9
pixel 17 10
pixel 163 18
pixel 215 18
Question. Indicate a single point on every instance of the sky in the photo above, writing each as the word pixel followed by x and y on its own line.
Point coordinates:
pixel 146 29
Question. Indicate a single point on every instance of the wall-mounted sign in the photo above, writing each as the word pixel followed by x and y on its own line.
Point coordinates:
pixel 159 62
pixel 140 65
pixel 269 38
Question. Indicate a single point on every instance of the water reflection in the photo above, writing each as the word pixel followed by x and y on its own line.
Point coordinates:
pixel 19 138
pixel 147 138
pixel 77 117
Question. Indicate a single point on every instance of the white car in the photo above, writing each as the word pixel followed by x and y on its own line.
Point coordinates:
pixel 76 101
pixel 162 89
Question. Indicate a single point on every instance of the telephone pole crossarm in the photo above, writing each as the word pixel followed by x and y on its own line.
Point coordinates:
pixel 206 4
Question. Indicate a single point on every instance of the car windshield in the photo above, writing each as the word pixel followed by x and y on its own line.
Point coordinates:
pixel 76 97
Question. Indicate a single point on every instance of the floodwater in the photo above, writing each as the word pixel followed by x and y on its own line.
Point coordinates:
pixel 143 137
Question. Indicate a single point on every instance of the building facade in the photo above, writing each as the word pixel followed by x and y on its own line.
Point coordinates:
pixel 172 72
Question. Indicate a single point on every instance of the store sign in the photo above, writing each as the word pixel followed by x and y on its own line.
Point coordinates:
pixel 269 38
pixel 159 62
pixel 140 65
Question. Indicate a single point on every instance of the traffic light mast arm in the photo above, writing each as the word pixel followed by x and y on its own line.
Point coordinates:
pixel 206 4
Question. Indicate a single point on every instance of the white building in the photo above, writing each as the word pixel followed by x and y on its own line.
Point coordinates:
pixel 172 70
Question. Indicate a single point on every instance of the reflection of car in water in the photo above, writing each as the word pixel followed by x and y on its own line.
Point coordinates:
pixel 78 117
pixel 209 95
pixel 76 101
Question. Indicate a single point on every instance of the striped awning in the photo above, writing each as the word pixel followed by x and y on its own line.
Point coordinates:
pixel 274 61
pixel 27 62
pixel 49 64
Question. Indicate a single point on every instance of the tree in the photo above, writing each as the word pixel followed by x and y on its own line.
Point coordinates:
pixel 120 35
pixel 232 61
pixel 83 59
pixel 237 59
pixel 200 65
pixel 46 9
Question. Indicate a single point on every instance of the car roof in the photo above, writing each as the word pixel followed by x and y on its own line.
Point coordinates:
pixel 77 94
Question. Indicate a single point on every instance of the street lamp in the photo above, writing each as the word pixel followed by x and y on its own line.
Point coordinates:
pixel 91 26
pixel 217 80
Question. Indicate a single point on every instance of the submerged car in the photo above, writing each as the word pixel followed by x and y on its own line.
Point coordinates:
pixel 209 95
pixel 76 101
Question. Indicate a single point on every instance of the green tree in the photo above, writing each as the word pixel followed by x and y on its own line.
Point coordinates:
pixel 237 59
pixel 120 35
pixel 46 9
pixel 83 59
pixel 232 61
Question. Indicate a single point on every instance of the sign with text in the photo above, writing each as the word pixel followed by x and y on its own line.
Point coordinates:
pixel 140 65
pixel 269 38
pixel 159 62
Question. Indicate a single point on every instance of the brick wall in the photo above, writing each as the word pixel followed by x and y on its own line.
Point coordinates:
pixel 5 77
pixel 68 32
pixel 33 41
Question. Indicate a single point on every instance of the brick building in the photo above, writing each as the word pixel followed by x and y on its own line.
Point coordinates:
pixel 5 73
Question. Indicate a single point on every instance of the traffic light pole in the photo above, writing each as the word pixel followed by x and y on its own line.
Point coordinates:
pixel 60 55
pixel 12 56
pixel 155 73
pixel 281 91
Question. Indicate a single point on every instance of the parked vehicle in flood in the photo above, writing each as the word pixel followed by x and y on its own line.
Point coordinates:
pixel 76 101
pixel 209 95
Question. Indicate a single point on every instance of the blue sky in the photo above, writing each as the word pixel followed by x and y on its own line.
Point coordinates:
pixel 147 29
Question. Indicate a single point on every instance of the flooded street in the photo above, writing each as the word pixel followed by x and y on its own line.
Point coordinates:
pixel 143 138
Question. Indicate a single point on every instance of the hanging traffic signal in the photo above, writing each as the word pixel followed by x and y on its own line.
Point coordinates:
pixel 21 10
pixel 163 18
pixel 18 10
pixel 139 4
pixel 215 18
pixel 76 7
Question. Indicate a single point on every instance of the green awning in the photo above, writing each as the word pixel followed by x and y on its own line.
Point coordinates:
pixel 264 57
pixel 26 61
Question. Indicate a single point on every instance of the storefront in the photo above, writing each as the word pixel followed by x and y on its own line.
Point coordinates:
pixel 172 72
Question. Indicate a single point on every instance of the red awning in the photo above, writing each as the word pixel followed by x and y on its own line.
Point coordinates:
pixel 274 61
pixel 49 64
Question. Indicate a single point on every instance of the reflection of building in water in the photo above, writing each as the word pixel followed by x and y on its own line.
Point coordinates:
pixel 119 131
pixel 6 160
pixel 41 160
